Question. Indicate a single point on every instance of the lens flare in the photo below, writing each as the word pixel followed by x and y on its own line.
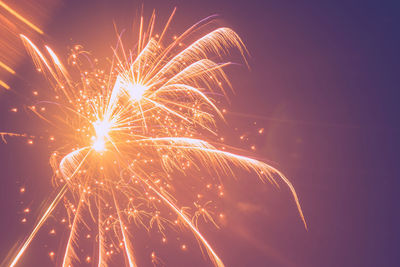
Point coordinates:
pixel 139 140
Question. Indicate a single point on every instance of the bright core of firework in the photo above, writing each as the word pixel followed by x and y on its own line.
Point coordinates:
pixel 102 128
pixel 136 91
pixel 154 115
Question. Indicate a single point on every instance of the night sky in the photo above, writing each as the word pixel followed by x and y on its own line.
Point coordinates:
pixel 323 83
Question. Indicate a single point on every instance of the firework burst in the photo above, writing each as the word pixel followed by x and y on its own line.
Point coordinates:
pixel 131 133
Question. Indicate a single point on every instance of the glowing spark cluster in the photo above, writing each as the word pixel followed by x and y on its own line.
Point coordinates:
pixel 132 133
pixel 102 128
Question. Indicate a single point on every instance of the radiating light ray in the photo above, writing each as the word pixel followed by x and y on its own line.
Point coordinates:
pixel 47 213
pixel 40 223
pixel 7 68
pixel 70 254
pixel 101 250
pixel 126 241
pixel 20 17
pixel 6 86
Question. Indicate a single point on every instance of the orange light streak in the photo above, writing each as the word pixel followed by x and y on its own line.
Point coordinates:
pixel 20 17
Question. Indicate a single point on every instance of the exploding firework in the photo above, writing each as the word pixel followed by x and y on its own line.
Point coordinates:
pixel 133 134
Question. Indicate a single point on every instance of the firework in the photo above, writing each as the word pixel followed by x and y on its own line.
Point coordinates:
pixel 131 133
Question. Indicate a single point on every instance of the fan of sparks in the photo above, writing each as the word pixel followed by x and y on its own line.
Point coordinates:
pixel 134 132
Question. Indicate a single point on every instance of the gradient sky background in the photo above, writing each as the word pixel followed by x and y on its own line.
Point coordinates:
pixel 323 83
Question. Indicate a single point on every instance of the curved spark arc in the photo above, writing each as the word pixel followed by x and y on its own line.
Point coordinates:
pixel 146 117
pixel 215 259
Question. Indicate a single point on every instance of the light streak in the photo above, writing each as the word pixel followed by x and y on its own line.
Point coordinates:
pixel 20 17
pixel 6 86
pixel 4 134
pixel 7 68
pixel 39 225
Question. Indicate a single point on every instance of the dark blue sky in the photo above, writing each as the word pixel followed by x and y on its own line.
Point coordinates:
pixel 324 83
